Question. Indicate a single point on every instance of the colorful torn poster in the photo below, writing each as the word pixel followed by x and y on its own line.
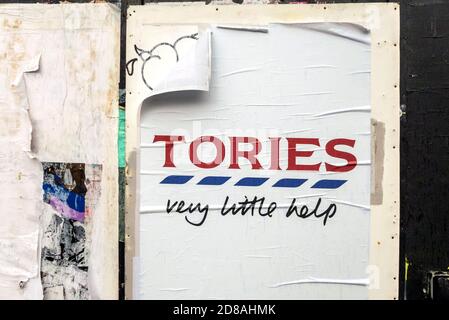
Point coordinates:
pixel 71 192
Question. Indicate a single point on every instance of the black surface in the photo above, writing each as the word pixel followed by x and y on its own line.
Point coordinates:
pixel 424 141
pixel 441 288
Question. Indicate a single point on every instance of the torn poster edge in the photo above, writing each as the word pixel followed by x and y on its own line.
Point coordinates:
pixel 192 72
pixel 30 66
pixel 262 29
pixel 32 285
pixel 351 31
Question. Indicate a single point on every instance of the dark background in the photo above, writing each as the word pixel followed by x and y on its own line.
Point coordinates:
pixel 424 238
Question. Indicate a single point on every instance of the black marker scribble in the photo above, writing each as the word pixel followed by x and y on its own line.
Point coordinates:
pixel 129 70
pixel 147 55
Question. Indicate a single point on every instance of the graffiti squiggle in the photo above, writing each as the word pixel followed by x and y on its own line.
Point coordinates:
pixel 147 55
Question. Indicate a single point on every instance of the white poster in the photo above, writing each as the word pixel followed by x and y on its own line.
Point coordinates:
pixel 259 186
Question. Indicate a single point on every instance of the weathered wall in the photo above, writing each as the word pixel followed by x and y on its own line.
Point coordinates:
pixel 59 103
pixel 424 148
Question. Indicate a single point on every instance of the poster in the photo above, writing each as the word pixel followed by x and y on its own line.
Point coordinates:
pixel 258 187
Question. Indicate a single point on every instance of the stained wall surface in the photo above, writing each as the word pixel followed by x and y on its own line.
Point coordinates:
pixel 59 102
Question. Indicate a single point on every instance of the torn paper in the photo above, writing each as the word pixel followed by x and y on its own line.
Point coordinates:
pixel 179 62
pixel 19 178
